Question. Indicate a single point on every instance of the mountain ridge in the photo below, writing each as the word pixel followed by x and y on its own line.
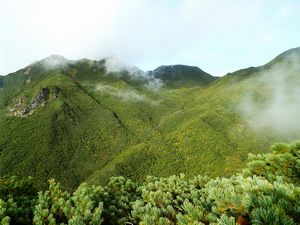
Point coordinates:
pixel 90 124
pixel 58 58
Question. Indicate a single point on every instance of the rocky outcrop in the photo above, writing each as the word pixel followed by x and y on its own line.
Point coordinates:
pixel 21 107
pixel 27 71
pixel 40 99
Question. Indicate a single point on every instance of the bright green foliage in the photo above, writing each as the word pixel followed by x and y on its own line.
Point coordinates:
pixel 4 219
pixel 60 207
pixel 283 161
pixel 163 198
pixel 177 200
pixel 91 125
pixel 192 214
pixel 225 220
pixel 263 201
pixel 120 193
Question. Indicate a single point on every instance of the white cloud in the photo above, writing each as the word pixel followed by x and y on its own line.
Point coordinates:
pixel 123 94
pixel 209 33
pixel 279 109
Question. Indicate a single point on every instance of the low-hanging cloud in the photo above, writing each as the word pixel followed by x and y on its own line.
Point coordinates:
pixel 123 94
pixel 115 67
pixel 277 107
pixel 55 62
pixel 211 34
pixel 154 84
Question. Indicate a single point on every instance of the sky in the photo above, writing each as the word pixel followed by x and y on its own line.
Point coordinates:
pixel 219 36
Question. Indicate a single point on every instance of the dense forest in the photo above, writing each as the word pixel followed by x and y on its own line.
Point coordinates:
pixel 77 121
pixel 266 191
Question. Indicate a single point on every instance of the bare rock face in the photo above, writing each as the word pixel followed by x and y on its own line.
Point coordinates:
pixel 40 99
pixel 21 108
pixel 17 108
pixel 28 70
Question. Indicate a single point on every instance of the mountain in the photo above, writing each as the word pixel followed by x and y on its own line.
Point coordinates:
pixel 79 121
pixel 182 75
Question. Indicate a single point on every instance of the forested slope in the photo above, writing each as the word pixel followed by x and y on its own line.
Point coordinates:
pixel 78 121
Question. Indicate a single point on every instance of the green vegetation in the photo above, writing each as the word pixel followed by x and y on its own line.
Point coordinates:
pixel 83 124
pixel 17 200
pixel 266 192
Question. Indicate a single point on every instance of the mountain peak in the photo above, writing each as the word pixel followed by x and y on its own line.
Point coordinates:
pixel 182 75
pixel 54 61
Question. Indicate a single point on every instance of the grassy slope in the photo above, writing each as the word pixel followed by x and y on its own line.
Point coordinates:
pixel 92 133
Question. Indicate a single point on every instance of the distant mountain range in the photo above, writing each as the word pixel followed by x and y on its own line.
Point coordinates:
pixel 79 121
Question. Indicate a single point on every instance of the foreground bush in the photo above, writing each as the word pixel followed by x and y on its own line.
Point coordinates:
pixel 55 206
pixel 266 192
pixel 17 200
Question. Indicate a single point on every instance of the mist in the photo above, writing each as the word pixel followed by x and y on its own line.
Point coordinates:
pixel 123 94
pixel 210 34
pixel 276 106
pixel 115 67
pixel 55 62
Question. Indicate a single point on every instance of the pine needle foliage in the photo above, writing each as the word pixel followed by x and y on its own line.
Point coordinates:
pixel 259 195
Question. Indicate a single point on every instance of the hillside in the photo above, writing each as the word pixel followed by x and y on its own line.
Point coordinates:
pixel 77 121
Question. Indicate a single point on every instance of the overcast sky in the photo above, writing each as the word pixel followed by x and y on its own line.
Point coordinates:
pixel 218 36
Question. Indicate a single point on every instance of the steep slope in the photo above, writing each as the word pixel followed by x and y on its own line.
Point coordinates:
pixel 76 120
pixel 53 138
pixel 67 118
